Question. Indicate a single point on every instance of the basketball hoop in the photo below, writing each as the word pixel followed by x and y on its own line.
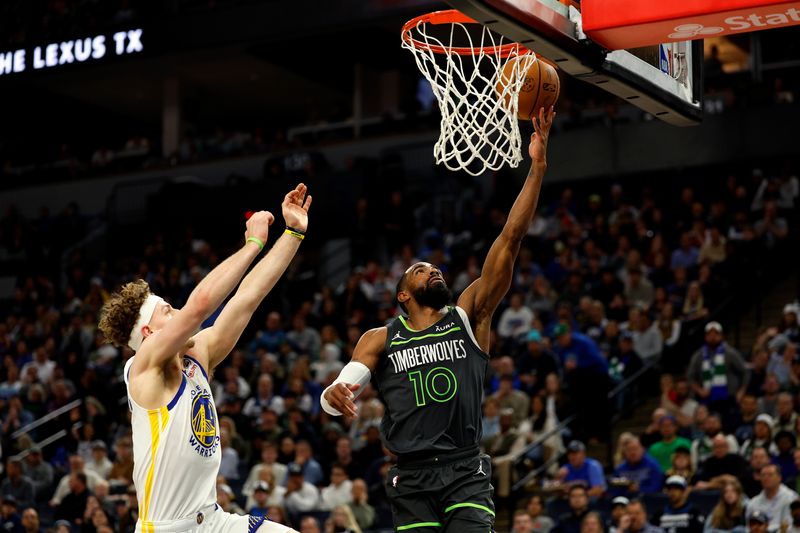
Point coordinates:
pixel 463 61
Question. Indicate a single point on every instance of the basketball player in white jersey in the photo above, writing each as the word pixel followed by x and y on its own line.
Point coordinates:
pixel 176 440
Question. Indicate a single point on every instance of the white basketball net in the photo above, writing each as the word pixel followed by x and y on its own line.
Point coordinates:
pixel 479 125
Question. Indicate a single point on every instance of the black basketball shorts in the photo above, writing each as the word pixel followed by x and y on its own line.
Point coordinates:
pixel 450 492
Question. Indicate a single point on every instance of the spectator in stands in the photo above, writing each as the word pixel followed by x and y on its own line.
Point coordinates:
pixel 17 485
pixel 771 228
pixel 624 362
pixel 74 502
pixel 639 290
pixel 703 446
pixel 9 515
pixel 694 306
pixel 642 473
pixel 717 372
pixel 226 499
pixel 340 490
pixel 271 338
pixel 619 507
pixel 758 373
pixel 687 255
pixel 786 442
pixel 363 512
pixel 679 515
pixel 728 514
pixel 30 521
pixel 758 522
pixel 790 322
pixel 536 363
pixel 99 462
pixel 774 497
pixel 570 522
pixel 720 463
pixel 762 437
pixel 679 403
pixel 746 419
pixel 647 339
pixel 122 471
pixel 301 496
pixel 40 473
pixel 592 523
pixel 751 483
pixel 303 339
pixel 540 522
pixel 341 519
pixel 508 397
pixel 308 524
pixel 515 322
pixel 304 458
pixel 794 508
pixel 264 398
pixel 269 461
pixel 652 433
pixel 681 464
pixel 768 402
pixel 260 506
pixel 787 417
pixel 662 450
pixel 76 465
pixel 583 470
pixel 635 520
pixel 522 522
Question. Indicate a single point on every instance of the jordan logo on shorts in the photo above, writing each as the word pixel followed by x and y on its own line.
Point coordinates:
pixel 480 468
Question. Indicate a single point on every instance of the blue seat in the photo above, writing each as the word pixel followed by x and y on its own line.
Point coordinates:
pixel 704 500
pixel 654 502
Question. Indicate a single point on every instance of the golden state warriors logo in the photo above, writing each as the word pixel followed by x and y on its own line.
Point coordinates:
pixel 204 424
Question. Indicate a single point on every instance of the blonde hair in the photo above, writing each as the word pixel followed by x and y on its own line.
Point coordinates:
pixel 121 311
pixel 352 524
pixel 623 439
pixel 725 516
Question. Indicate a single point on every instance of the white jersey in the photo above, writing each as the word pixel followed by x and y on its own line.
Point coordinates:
pixel 176 450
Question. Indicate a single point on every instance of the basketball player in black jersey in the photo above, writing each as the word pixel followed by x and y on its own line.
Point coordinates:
pixel 429 368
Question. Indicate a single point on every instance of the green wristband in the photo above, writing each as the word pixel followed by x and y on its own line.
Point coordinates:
pixel 258 241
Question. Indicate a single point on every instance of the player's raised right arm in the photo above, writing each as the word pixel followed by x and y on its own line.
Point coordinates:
pixel 339 398
pixel 206 297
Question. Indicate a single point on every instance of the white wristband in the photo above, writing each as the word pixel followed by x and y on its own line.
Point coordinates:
pixel 352 373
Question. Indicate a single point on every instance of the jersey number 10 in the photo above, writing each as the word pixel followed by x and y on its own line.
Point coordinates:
pixel 438 384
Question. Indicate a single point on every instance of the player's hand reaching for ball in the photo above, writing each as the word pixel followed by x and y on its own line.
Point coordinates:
pixel 541 132
pixel 295 207
pixel 258 225
pixel 341 398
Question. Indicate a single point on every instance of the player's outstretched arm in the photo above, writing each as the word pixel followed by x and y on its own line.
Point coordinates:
pixel 215 343
pixel 205 298
pixel 481 298
pixel 339 397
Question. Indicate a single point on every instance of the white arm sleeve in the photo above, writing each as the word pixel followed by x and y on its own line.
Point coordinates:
pixel 352 373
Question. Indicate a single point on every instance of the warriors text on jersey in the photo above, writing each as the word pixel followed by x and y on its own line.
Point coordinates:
pixel 431 382
pixel 176 453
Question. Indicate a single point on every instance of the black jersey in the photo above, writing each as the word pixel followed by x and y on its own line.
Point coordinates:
pixel 431 382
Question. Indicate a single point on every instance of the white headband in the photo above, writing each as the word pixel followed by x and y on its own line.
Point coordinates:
pixel 145 314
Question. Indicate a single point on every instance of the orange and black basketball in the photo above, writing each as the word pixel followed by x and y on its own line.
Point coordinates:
pixel 540 88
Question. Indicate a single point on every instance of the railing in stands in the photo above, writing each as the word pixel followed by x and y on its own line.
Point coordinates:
pixel 612 395
pixel 47 418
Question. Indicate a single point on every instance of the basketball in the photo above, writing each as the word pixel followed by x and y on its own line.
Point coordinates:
pixel 540 88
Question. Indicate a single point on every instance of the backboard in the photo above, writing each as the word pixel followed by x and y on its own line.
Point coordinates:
pixel 664 80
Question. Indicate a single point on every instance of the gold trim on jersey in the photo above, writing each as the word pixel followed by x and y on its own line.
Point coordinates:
pixel 155 437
